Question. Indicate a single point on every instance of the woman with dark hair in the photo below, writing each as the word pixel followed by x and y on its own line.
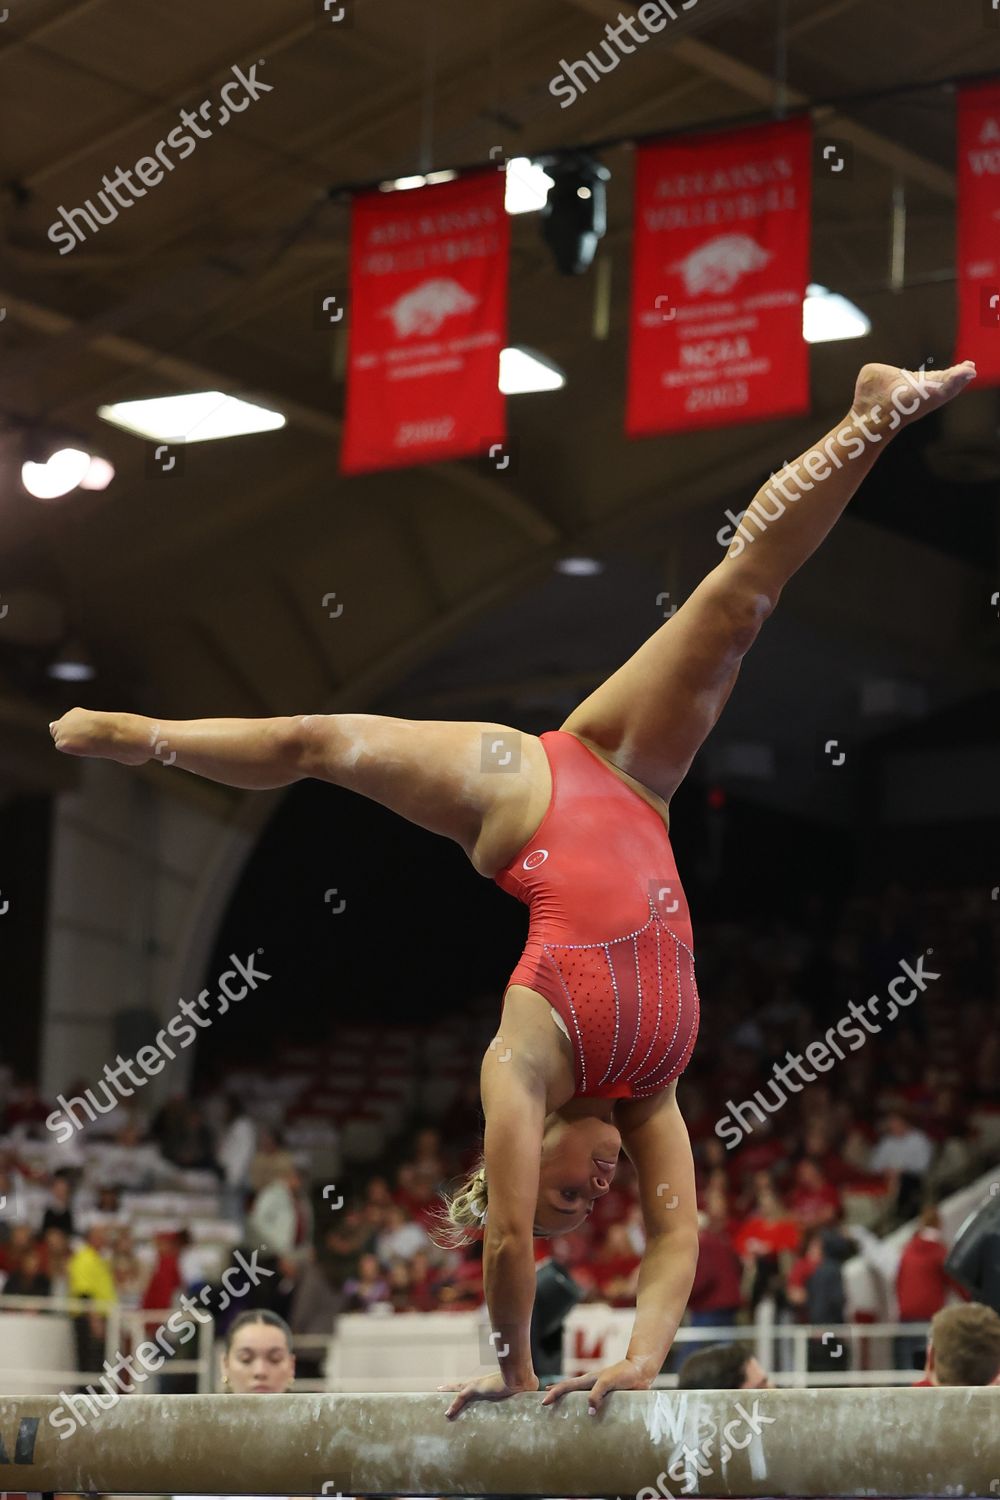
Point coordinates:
pixel 257 1357
pixel 257 1360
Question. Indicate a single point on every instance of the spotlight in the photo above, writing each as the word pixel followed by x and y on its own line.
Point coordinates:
pixel 579 567
pixel 73 663
pixel 828 316
pixel 575 214
pixel 523 369
pixel 57 462
pixel 61 472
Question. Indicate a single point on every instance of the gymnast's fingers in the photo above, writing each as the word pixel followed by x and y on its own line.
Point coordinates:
pixel 575 1383
pixel 600 1390
pixel 466 1393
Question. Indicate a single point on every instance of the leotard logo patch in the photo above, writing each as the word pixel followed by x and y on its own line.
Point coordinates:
pixel 534 859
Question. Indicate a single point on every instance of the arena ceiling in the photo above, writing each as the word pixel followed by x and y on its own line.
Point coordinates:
pixel 202 593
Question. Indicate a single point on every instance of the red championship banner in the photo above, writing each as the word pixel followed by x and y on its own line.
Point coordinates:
pixel 720 269
pixel 978 251
pixel 428 309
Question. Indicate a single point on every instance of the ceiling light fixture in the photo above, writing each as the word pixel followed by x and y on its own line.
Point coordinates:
pixel 194 417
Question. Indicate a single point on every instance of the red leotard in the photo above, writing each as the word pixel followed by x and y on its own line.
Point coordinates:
pixel 609 937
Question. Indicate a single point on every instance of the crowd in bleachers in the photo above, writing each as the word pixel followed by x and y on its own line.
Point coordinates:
pixel 334 1157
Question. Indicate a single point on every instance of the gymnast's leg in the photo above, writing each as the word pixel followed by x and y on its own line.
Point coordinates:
pixel 652 715
pixel 432 772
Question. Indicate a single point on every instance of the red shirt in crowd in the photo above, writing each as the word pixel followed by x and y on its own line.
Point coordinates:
pixel 921 1283
pixel 717 1279
pixel 760 1236
pixel 809 1204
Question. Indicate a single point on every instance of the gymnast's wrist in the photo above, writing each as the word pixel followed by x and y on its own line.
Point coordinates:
pixel 647 1365
pixel 132 732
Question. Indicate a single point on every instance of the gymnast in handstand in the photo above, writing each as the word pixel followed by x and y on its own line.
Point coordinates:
pixel 600 1016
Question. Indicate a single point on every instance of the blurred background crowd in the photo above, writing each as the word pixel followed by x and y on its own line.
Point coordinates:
pixel 138 1208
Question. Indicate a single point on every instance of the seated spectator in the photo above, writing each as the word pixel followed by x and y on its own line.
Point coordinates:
pixel 713 1165
pixel 420 1199
pixel 28 1279
pixel 377 1191
pixel 165 1280
pixel 903 1154
pixel 54 1257
pixel 271 1159
pixel 723 1367
pixel 856 1157
pixel 715 1295
pixel 399 1285
pixel 769 1229
pixel 344 1244
pixel 20 1238
pixel 399 1236
pixel 718 1207
pixel 423 1282
pixel 836 1169
pixel 921 1285
pixel 428 1159
pixel 106 1212
pixel 964 1346
pixel 59 1213
pixel 813 1202
pixel 367 1287
pixel 281 1216
pixel 461 1287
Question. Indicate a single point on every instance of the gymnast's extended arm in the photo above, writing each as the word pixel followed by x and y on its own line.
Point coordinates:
pixel 513 1094
pixel 655 1138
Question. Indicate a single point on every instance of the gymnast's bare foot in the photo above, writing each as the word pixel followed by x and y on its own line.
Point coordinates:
pixel 104 736
pixel 887 398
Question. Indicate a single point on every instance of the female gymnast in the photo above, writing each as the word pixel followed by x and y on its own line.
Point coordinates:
pixel 575 823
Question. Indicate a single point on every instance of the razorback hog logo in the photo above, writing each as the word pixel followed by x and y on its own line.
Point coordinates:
pixel 718 264
pixel 425 308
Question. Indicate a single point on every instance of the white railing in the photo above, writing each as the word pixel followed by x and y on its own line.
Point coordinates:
pixel 418 1351
pixel 22 1319
pixel 595 1335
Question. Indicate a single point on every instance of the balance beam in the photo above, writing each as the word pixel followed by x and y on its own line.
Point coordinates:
pixel 646 1444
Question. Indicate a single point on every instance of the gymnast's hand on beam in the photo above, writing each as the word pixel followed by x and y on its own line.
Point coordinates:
pixel 624 1376
pixel 483 1388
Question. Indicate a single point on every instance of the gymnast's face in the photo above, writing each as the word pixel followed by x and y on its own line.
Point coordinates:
pixel 579 1159
pixel 259 1361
